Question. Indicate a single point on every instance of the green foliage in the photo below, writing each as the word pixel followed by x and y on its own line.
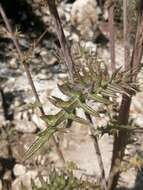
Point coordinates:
pixel 63 181
pixel 41 140
pixel 92 83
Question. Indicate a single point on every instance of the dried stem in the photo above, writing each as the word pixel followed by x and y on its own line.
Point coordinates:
pixel 40 38
pixel 112 35
pixel 98 154
pixel 121 138
pixel 126 34
pixel 25 65
pixel 61 36
pixel 15 42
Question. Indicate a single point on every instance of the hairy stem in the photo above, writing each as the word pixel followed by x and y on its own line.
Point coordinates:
pixel 126 34
pixel 120 140
pixel 112 35
pixel 61 36
pixel 98 154
pixel 25 65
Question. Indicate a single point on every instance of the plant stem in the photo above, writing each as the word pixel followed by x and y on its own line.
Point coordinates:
pixel 61 36
pixel 112 35
pixel 126 34
pixel 98 154
pixel 120 139
pixel 25 65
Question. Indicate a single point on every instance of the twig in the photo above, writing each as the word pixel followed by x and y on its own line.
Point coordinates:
pixel 25 65
pixel 15 42
pixel 61 36
pixel 40 38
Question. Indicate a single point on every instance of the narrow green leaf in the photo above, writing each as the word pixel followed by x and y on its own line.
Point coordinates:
pixel 98 98
pixel 69 105
pixel 53 120
pixel 69 90
pixel 65 89
pixel 129 87
pixel 108 93
pixel 89 110
pixel 40 141
pixel 78 119
pixel 117 89
pixel 84 122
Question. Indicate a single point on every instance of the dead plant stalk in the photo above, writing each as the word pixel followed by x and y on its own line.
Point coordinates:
pixel 112 35
pixel 25 65
pixel 63 42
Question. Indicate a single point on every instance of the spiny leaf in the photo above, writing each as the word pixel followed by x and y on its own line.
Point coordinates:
pixel 88 109
pixel 129 87
pixel 100 99
pixel 82 121
pixel 69 105
pixel 117 89
pixel 78 119
pixel 108 93
pixel 40 141
pixel 112 127
pixel 54 120
pixel 69 90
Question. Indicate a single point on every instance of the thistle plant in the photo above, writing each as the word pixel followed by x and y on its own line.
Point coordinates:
pixel 91 80
pixel 62 180
pixel 92 83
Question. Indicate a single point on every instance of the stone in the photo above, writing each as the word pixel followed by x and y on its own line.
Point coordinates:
pixel 74 37
pixel 45 19
pixel 38 122
pixel 56 92
pixel 19 170
pixel 7 175
pixel 84 16
pixel 25 126
pixel 138 120
pixel 91 46
pixel 13 63
pixel 45 10
pixel 25 180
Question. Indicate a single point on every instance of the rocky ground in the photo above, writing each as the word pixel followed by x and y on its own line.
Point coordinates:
pixel 18 124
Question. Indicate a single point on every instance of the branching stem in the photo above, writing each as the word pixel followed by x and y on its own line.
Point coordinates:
pixel 120 139
pixel 25 65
